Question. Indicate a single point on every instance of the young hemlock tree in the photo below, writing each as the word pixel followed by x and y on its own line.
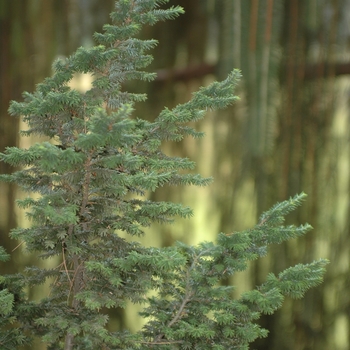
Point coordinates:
pixel 91 183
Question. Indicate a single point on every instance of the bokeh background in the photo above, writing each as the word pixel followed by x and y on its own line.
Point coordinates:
pixel 288 133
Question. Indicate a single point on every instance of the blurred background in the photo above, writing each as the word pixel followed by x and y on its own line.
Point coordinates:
pixel 288 133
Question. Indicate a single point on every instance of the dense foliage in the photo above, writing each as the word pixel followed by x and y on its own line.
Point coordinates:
pixel 91 181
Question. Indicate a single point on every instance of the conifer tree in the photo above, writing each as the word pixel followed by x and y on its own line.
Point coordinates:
pixel 91 182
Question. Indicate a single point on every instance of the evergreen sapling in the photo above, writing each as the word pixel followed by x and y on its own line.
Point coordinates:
pixel 91 181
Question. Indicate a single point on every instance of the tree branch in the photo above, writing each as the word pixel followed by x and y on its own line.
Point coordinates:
pixel 307 71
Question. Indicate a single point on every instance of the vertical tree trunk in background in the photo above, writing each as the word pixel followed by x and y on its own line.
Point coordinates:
pixel 8 129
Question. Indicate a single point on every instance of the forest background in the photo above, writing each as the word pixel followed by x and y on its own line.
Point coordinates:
pixel 289 133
